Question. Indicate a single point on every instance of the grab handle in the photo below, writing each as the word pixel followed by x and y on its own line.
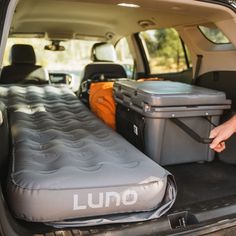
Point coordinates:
pixel 191 132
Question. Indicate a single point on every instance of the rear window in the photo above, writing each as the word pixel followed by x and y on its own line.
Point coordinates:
pixel 214 35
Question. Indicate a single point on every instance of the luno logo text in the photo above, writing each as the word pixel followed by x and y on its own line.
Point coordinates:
pixel 106 199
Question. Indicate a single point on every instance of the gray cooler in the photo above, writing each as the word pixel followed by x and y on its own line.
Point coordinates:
pixel 169 121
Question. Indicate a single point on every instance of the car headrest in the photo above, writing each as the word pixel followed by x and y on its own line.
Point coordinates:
pixel 103 52
pixel 22 54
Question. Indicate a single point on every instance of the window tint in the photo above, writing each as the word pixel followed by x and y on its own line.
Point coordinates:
pixel 214 35
pixel 165 51
pixel 125 57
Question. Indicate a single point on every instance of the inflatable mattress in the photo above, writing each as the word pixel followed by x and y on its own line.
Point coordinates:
pixel 67 165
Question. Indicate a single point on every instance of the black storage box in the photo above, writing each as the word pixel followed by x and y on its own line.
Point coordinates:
pixel 169 121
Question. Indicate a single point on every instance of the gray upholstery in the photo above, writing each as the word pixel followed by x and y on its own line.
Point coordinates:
pixel 22 67
pixel 67 164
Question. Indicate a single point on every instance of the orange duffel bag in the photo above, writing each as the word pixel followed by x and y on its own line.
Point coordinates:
pixel 102 103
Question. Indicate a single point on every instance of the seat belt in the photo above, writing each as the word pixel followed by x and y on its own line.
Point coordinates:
pixel 134 75
pixel 198 67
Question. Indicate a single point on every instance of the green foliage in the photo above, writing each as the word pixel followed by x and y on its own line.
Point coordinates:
pixel 163 42
pixel 165 50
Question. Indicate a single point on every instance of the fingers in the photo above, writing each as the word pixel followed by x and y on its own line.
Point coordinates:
pixel 217 141
pixel 213 133
pixel 220 147
pixel 222 133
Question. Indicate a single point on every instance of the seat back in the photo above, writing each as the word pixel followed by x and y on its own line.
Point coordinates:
pixel 102 69
pixel 22 67
pixel 103 56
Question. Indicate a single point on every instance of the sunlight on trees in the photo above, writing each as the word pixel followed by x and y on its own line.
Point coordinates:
pixel 165 51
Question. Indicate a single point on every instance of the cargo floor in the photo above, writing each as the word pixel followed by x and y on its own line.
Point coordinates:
pixel 202 183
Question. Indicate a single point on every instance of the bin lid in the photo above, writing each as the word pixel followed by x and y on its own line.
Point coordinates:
pixel 169 93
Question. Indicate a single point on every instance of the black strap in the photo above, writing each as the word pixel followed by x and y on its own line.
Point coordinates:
pixel 185 53
pixel 197 70
pixel 214 125
pixel 191 132
pixel 134 70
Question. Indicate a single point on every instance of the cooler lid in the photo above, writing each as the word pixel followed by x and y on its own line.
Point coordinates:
pixel 169 93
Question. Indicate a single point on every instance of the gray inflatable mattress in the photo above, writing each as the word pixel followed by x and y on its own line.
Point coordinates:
pixel 67 165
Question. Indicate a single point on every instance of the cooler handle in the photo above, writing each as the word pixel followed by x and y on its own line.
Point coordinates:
pixel 191 132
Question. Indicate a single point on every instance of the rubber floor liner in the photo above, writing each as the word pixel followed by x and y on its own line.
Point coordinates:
pixel 213 181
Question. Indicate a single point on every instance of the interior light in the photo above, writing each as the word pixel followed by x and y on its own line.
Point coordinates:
pixel 123 4
pixel 176 8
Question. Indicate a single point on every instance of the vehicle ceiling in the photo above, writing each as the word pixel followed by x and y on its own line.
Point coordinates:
pixel 62 19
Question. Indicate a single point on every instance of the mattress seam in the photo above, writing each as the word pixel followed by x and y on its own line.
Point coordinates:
pixel 117 186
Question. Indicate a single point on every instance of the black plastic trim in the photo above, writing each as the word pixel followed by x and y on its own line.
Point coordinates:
pixel 185 53
pixel 142 53
pixel 3 11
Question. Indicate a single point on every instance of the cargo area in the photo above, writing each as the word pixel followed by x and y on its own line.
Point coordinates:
pixel 205 179
pixel 202 186
pixel 106 110
pixel 205 190
pixel 59 144
pixel 157 137
pixel 38 127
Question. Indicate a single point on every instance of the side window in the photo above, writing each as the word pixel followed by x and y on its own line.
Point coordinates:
pixel 125 57
pixel 165 51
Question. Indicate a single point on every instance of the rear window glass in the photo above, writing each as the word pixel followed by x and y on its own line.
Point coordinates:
pixel 214 35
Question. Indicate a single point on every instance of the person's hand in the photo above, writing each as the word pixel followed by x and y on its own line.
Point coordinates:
pixel 221 133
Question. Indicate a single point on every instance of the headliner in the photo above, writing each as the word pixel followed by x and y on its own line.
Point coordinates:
pixel 65 19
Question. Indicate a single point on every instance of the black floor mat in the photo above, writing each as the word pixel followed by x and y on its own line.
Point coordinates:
pixel 203 182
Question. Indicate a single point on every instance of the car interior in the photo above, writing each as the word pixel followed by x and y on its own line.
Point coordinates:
pixel 165 72
pixel 22 66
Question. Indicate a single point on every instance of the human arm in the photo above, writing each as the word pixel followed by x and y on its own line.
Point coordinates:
pixel 221 133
